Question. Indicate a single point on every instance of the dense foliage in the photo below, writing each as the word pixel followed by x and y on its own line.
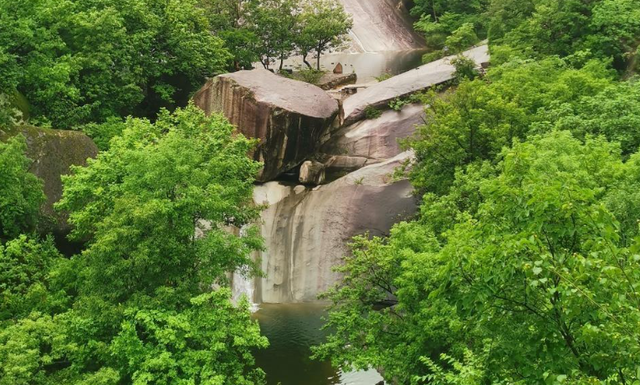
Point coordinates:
pixel 156 213
pixel 580 29
pixel 523 265
pixel 20 191
pixel 80 61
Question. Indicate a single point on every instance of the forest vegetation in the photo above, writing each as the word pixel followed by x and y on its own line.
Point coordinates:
pixel 522 266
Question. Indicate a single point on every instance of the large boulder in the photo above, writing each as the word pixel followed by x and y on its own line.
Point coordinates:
pixel 288 116
pixel 307 229
pixel 53 153
pixel 421 78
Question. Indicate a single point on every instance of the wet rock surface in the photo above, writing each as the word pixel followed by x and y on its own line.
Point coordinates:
pixel 306 229
pixel 288 116
pixel 381 25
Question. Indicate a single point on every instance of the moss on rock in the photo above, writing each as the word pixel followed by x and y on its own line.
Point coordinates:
pixel 53 152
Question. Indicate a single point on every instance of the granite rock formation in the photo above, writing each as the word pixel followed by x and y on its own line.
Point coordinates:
pixel 421 78
pixel 288 116
pixel 307 229
pixel 381 25
pixel 370 141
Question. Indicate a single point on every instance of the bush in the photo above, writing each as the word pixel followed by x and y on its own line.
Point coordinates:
pixel 372 113
pixel 466 68
pixel 462 38
pixel 384 76
pixel 310 75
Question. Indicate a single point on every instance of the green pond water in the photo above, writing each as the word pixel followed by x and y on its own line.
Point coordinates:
pixel 292 329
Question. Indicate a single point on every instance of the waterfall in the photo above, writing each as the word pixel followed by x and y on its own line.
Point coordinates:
pixel 241 284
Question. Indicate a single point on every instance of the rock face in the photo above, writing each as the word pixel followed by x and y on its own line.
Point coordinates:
pixel 376 138
pixel 53 152
pixel 306 230
pixel 289 117
pixel 381 25
pixel 370 141
pixel 421 78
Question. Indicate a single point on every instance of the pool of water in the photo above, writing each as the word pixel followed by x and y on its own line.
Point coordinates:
pixel 292 329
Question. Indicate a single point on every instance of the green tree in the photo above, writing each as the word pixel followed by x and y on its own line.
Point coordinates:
pixel 144 302
pixel 230 20
pixel 275 24
pixel 24 266
pixel 534 284
pixel 81 61
pixel 20 191
pixel 459 21
pixel 324 25
pixel 141 204
pixel 462 38
pixel 476 120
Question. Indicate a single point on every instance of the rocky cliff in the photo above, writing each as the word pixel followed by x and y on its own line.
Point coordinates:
pixel 307 229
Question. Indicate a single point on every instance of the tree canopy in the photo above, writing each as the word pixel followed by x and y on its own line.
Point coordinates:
pixel 80 61
pixel 145 301
pixel 522 265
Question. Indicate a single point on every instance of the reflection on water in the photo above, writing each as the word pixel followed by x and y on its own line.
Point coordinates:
pixel 292 329
pixel 368 65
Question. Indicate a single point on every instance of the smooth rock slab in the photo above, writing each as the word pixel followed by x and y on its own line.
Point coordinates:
pixel 288 116
pixel 307 230
pixel 376 138
pixel 421 78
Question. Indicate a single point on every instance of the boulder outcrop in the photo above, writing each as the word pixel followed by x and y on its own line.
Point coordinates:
pixel 53 153
pixel 288 116
pixel 421 78
pixel 376 138
pixel 312 172
pixel 307 229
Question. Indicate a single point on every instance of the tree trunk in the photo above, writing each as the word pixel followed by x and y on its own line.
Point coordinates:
pixel 304 59
pixel 281 62
pixel 319 52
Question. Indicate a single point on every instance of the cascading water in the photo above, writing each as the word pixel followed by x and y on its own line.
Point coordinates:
pixel 242 284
